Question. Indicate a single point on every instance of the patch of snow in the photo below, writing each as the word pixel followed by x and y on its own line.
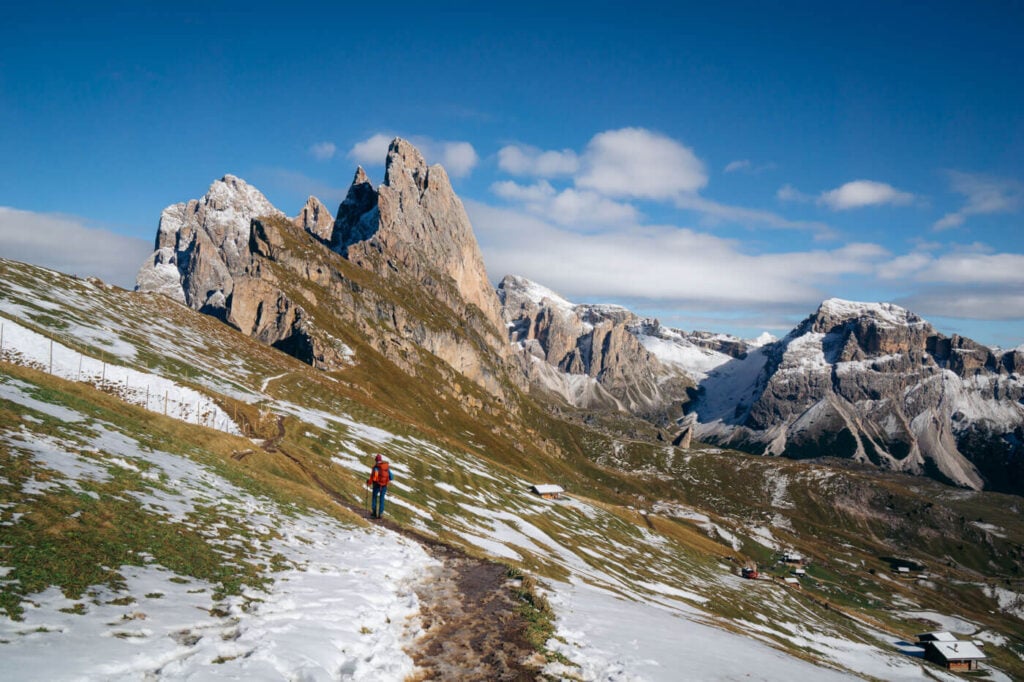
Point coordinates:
pixel 611 638
pixel 25 347
pixel 943 622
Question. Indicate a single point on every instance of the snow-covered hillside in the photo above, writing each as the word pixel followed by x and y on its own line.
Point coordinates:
pixel 226 556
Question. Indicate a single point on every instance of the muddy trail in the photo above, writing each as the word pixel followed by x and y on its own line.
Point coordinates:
pixel 471 627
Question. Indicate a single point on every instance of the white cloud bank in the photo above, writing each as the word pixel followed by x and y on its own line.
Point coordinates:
pixel 568 206
pixel 459 158
pixel 984 194
pixel 674 266
pixel 68 245
pixel 861 193
pixel 619 166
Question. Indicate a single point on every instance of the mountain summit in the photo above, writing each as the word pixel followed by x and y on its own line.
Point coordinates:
pixel 398 267
pixel 876 383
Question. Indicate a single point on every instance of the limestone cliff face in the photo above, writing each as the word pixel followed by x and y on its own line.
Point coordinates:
pixel 315 219
pixel 287 282
pixel 415 224
pixel 878 384
pixel 600 364
pixel 201 245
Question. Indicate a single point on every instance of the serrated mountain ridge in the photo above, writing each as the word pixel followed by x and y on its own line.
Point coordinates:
pixel 872 382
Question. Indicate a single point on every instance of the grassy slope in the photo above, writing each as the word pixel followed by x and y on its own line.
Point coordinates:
pixel 464 478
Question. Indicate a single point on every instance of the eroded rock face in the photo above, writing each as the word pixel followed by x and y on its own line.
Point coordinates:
pixel 315 219
pixel 878 384
pixel 283 281
pixel 206 242
pixel 418 225
pixel 599 362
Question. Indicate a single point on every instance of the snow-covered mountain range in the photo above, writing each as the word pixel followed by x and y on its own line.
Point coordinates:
pixel 871 382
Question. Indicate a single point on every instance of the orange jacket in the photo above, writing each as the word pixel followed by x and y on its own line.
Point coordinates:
pixel 380 475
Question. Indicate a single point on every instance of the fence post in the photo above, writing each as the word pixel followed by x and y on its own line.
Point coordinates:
pixel 51 356
pixel 165 402
pixel 78 377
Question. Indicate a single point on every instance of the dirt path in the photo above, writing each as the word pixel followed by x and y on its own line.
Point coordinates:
pixel 471 631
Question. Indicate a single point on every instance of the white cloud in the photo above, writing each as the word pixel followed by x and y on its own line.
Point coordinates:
pixel 459 158
pixel 748 166
pixel 639 163
pixel 963 268
pixel 984 194
pixel 527 160
pixel 790 193
pixel 67 244
pixel 737 214
pixel 510 190
pixel 568 206
pixel 974 304
pixel 372 151
pixel 322 151
pixel 666 264
pixel 861 193
pixel 738 165
pixel 631 164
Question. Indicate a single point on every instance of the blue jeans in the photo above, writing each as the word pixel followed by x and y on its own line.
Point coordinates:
pixel 379 492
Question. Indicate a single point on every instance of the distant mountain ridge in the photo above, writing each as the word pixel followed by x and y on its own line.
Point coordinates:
pixel 870 382
pixel 876 383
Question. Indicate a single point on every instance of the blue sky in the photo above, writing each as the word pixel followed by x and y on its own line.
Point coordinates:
pixel 722 168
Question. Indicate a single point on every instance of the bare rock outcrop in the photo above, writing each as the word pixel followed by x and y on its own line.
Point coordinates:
pixel 599 362
pixel 415 224
pixel 876 383
pixel 316 219
pixel 205 241
pixel 291 283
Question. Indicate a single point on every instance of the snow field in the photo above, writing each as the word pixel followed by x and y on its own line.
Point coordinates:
pixel 611 638
pixel 343 608
pixel 157 394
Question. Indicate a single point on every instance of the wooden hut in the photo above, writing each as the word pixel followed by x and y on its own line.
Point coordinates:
pixel 548 491
pixel 946 650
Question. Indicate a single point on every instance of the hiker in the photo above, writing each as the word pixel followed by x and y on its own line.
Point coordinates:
pixel 380 476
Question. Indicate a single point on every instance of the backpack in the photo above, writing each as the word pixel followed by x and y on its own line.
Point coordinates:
pixel 381 475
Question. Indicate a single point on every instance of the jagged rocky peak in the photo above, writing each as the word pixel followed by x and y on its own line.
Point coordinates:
pixel 201 243
pixel 857 331
pixel 876 383
pixel 593 341
pixel 519 294
pixel 420 227
pixel 316 219
pixel 357 215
